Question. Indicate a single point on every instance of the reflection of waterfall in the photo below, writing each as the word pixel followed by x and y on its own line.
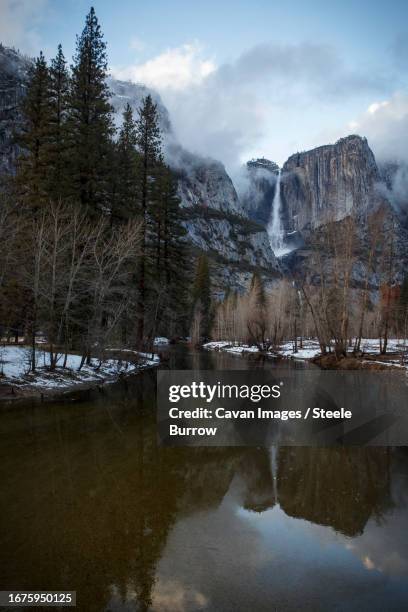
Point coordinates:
pixel 275 230
pixel 274 470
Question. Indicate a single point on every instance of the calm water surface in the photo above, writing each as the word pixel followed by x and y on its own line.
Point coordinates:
pixel 90 503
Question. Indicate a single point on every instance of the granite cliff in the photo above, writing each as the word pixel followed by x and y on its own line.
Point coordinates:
pixel 260 175
pixel 329 183
pixel 334 182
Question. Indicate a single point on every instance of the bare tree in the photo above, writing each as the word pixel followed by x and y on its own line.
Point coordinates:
pixel 111 254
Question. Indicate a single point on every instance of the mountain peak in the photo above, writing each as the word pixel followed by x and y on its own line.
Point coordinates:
pixel 262 163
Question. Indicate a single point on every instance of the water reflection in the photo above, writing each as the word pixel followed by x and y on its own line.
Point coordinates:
pixel 90 502
pixel 335 488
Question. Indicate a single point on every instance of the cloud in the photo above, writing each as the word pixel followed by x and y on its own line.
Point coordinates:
pixel 271 100
pixel 385 124
pixel 137 44
pixel 316 67
pixel 175 69
pixel 18 24
pixel 257 101
pixel 375 106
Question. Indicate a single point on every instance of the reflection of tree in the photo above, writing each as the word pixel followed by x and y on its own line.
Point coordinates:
pixel 179 358
pixel 90 498
pixel 340 487
pixel 101 507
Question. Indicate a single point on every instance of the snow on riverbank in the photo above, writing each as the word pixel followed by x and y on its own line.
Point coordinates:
pixel 372 346
pixel 160 340
pixel 15 366
pixel 310 348
pixel 230 348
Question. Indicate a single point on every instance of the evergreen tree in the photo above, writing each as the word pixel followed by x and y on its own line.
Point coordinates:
pixel 258 290
pixel 404 293
pixel 169 261
pixel 403 306
pixel 31 179
pixel 149 146
pixel 202 295
pixel 57 158
pixel 126 195
pixel 90 120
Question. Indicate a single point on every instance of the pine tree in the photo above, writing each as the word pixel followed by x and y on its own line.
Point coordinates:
pixel 258 290
pixel 169 257
pixel 57 157
pixel 31 178
pixel 202 295
pixel 126 195
pixel 404 293
pixel 149 146
pixel 90 120
pixel 403 306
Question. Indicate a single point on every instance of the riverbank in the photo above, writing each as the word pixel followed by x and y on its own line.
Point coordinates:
pixel 17 381
pixel 306 351
pixel 392 361
pixel 369 357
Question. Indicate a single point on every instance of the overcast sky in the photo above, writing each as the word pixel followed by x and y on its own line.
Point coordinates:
pixel 253 78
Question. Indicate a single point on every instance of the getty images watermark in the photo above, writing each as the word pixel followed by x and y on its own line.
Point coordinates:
pixel 286 407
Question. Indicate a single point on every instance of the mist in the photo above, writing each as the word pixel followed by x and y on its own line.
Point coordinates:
pixel 272 100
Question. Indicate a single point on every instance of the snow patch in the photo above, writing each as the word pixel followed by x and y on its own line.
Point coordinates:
pixel 15 368
pixel 161 340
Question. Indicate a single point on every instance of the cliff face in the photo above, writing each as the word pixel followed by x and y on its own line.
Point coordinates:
pixel 13 74
pixel 394 187
pixel 329 183
pixel 203 181
pixel 261 183
pixel 125 92
pixel 217 221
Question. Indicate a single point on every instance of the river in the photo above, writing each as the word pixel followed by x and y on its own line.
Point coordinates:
pixel 90 503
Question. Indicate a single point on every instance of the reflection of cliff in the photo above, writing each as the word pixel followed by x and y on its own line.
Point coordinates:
pixel 255 473
pixel 341 487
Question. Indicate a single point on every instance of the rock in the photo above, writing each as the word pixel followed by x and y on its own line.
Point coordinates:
pixel 261 180
pixel 125 92
pixel 13 75
pixel 203 181
pixel 217 221
pixel 328 183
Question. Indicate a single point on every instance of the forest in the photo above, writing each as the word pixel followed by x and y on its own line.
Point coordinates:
pixel 92 247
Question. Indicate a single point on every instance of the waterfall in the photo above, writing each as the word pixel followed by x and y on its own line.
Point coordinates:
pixel 274 229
